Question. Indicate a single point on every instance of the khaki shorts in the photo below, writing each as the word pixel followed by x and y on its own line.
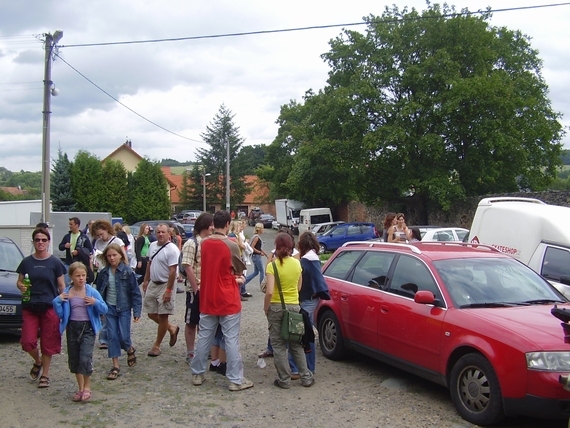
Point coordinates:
pixel 153 303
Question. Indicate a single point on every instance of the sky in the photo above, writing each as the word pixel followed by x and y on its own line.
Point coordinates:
pixel 180 85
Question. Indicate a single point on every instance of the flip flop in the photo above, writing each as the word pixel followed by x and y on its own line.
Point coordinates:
pixel 154 352
pixel 174 337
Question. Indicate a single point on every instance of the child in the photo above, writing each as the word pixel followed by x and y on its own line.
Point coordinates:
pixel 118 285
pixel 79 308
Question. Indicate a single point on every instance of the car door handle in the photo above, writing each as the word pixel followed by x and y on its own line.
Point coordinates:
pixel 344 297
pixel 384 309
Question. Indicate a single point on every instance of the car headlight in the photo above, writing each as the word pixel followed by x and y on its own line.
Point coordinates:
pixel 549 361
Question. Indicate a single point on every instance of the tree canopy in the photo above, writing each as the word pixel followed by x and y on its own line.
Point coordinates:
pixel 430 107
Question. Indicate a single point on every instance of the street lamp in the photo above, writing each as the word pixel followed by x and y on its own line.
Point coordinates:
pixel 204 175
pixel 49 90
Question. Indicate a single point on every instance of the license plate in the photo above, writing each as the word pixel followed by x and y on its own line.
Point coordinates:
pixel 8 309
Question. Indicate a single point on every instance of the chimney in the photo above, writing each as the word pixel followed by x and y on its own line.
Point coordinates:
pixel 129 143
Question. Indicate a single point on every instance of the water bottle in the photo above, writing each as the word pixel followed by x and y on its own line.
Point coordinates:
pixel 26 293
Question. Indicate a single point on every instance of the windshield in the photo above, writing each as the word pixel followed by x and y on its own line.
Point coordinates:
pixel 488 281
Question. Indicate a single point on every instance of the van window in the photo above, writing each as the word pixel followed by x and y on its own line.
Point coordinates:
pixel 321 218
pixel 556 263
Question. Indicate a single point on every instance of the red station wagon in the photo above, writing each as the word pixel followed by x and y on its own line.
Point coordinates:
pixel 464 316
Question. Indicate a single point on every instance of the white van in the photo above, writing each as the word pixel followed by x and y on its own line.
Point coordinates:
pixel 531 231
pixel 311 216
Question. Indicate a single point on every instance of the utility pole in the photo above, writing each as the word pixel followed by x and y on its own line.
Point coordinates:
pixel 227 174
pixel 49 44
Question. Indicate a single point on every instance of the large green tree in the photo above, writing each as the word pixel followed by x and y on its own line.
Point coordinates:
pixel 148 196
pixel 87 182
pixel 190 193
pixel 221 132
pixel 60 185
pixel 429 107
pixel 116 190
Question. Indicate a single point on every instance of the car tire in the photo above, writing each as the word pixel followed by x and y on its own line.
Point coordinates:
pixel 330 337
pixel 475 390
pixel 322 248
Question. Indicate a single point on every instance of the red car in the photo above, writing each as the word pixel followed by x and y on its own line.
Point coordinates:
pixel 464 316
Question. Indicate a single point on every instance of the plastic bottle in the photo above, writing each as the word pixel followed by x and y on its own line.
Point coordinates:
pixel 26 293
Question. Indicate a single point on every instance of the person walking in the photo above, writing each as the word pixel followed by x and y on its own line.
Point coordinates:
pixel 158 285
pixel 79 307
pixel 119 288
pixel 256 244
pixel 220 303
pixel 39 319
pixel 77 247
pixel 192 262
pixel 142 245
pixel 283 283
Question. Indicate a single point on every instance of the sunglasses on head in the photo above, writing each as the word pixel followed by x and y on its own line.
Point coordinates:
pixel 41 239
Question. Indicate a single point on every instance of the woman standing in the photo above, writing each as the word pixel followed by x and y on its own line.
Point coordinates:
pixel 314 288
pixel 45 272
pixel 256 244
pixel 289 281
pixel 402 232
pixel 389 234
pixel 141 249
pixel 117 284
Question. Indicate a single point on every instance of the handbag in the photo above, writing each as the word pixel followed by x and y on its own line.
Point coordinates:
pixel 292 324
pixel 263 285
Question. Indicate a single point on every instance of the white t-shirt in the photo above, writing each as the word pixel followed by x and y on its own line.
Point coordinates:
pixel 160 265
pixel 100 245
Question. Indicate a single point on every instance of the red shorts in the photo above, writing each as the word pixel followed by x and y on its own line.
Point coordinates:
pixel 47 324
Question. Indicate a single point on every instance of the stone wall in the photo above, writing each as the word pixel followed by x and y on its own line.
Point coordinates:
pixel 460 215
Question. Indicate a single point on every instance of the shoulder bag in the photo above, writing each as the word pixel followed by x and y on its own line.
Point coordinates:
pixel 292 325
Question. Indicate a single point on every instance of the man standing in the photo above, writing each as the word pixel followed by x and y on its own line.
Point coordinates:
pixel 191 261
pixel 158 285
pixel 77 248
pixel 220 303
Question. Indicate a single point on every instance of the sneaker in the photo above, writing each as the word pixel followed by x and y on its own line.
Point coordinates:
pixel 247 295
pixel 214 368
pixel 280 384
pixel 245 384
pixel 197 379
pixel 221 369
pixel 243 299
pixel 308 383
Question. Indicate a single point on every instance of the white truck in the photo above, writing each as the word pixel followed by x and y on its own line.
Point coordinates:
pixel 18 212
pixel 287 213
pixel 531 231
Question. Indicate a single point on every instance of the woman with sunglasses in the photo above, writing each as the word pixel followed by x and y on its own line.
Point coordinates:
pixel 45 272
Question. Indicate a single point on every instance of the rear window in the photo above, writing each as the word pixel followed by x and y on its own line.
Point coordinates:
pixel 321 218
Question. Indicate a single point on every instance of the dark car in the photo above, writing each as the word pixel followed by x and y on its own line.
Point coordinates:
pixel 10 295
pixel 153 223
pixel 267 220
pixel 189 229
pixel 465 316
pixel 346 232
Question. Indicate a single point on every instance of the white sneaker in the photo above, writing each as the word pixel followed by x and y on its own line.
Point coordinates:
pixel 245 384
pixel 197 379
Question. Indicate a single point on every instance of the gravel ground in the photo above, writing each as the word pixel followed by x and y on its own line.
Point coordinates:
pixel 359 392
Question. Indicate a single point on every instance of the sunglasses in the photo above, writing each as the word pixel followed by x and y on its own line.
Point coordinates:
pixel 41 240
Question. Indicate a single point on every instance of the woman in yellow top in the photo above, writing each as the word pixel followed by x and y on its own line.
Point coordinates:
pixel 289 270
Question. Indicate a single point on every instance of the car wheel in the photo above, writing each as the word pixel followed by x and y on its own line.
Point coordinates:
pixel 330 337
pixel 322 248
pixel 475 390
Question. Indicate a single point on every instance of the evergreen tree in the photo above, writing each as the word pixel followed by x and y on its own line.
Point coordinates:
pixel 88 187
pixel 60 188
pixel 116 190
pixel 190 193
pixel 221 132
pixel 148 193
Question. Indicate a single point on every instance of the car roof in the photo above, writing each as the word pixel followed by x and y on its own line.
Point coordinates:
pixel 431 250
pixel 435 230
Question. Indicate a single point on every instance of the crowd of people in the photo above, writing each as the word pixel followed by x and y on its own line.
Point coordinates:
pixel 396 230
pixel 109 277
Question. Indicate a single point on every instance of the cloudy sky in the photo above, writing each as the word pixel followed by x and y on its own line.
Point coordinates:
pixel 180 85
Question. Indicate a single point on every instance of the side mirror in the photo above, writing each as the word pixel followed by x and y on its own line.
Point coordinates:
pixel 424 297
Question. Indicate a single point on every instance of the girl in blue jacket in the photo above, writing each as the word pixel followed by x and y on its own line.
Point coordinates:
pixel 79 308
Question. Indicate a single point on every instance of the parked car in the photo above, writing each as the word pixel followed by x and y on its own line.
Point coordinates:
pixel 190 217
pixel 346 232
pixel 321 228
pixel 464 316
pixel 267 220
pixel 275 225
pixel 10 295
pixel 189 229
pixel 445 234
pixel 153 223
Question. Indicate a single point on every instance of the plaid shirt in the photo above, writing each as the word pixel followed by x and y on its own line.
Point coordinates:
pixel 192 259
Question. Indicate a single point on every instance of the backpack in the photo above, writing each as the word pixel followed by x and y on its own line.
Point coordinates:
pixel 181 269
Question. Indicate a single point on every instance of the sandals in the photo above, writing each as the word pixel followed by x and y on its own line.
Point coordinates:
pixel 131 357
pixel 174 337
pixel 35 372
pixel 44 382
pixel 154 352
pixel 78 396
pixel 265 354
pixel 113 373
pixel 86 396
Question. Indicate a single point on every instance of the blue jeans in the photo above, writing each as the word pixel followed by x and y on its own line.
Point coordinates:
pixel 257 269
pixel 118 331
pixel 309 306
pixel 230 330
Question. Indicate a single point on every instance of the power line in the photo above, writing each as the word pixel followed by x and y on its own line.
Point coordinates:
pixel 124 105
pixel 313 27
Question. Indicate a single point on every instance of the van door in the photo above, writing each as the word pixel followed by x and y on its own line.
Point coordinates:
pixel 553 263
